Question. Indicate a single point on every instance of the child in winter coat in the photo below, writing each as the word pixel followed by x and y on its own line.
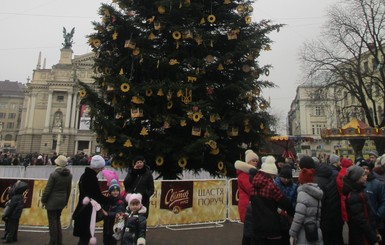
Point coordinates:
pixel 115 206
pixel 13 210
pixel 135 224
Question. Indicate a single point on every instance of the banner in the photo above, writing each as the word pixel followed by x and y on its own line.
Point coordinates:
pixel 33 213
pixel 233 199
pixel 184 202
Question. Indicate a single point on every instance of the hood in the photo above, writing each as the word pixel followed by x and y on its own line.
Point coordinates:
pixel 63 171
pixel 21 187
pixel 261 180
pixel 323 171
pixel 312 189
pixel 350 185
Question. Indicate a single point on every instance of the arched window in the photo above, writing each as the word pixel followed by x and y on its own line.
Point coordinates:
pixel 8 137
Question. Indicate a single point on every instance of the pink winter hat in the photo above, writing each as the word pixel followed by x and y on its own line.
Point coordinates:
pixel 134 196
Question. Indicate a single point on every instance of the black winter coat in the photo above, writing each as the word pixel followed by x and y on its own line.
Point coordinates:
pixel 88 187
pixel 134 227
pixel 115 205
pixel 331 205
pixel 140 181
pixel 16 201
pixel 362 225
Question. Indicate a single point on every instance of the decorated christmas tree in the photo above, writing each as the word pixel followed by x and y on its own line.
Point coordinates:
pixel 178 82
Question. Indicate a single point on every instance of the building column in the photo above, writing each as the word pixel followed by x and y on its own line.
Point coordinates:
pixel 89 147
pixel 76 147
pixel 48 112
pixel 32 111
pixel 68 110
pixel 26 119
pixel 73 112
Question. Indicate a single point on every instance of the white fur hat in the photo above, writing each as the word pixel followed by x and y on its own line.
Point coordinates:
pixel 97 161
pixel 269 166
pixel 61 161
pixel 250 155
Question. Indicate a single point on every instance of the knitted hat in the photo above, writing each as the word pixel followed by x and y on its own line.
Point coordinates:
pixel 250 155
pixel 334 158
pixel 134 196
pixel 286 172
pixel 97 161
pixel 306 162
pixel 61 161
pixel 269 166
pixel 373 153
pixel 114 185
pixel 345 163
pixel 362 163
pixel 138 158
pixel 354 173
pixel 306 175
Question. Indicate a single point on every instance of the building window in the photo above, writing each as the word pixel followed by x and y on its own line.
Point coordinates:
pixel 3 105
pixel 13 106
pixel 10 125
pixel 60 98
pixel 2 114
pixel 316 128
pixel 318 111
pixel 11 115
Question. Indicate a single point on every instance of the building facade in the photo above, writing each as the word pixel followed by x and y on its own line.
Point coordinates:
pixel 52 118
pixel 11 104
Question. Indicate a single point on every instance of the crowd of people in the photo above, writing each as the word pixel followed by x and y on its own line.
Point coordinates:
pixel 276 208
pixel 124 212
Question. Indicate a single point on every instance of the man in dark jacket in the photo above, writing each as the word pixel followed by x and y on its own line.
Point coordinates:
pixel 266 198
pixel 55 197
pixel 331 220
pixel 88 187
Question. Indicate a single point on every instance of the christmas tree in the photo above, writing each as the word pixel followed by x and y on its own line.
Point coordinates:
pixel 178 82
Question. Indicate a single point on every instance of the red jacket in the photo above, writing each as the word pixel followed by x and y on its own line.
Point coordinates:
pixel 345 163
pixel 244 188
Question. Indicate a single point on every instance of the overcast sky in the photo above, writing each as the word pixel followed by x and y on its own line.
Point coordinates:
pixel 28 27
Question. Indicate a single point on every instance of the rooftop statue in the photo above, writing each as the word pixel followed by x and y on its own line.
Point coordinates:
pixel 68 38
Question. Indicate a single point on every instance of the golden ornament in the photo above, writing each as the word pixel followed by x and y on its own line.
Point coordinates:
pixel 169 105
pixel 267 48
pixel 159 160
pixel 247 129
pixel 151 36
pixel 115 35
pixel 182 162
pixel 214 151
pixel 173 62
pixel 110 88
pixel 150 20
pixel 121 72
pixel 136 112
pixel 196 131
pixel 232 131
pixel 148 92
pixel 240 8
pixel 179 93
pixel 82 93
pixel 188 35
pixel 191 79
pixel 125 87
pixel 137 100
pixel 96 43
pixel 202 21
pixel 157 25
pixel 221 165
pixel 220 67
pixel 197 116
pixel 212 144
pixel 212 118
pixel 128 143
pixel 176 35
pixel 211 18
pixel 111 139
pixel 187 98
pixel 183 123
pixel 250 8
pixel 161 10
pixel 160 92
pixel 144 132
pixel 248 20
pixel 262 106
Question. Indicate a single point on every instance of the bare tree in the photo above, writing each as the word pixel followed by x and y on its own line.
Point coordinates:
pixel 349 57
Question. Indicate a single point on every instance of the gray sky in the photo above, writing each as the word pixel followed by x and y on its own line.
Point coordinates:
pixel 29 27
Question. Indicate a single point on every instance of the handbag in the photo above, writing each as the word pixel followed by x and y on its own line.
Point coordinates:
pixel 311 229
